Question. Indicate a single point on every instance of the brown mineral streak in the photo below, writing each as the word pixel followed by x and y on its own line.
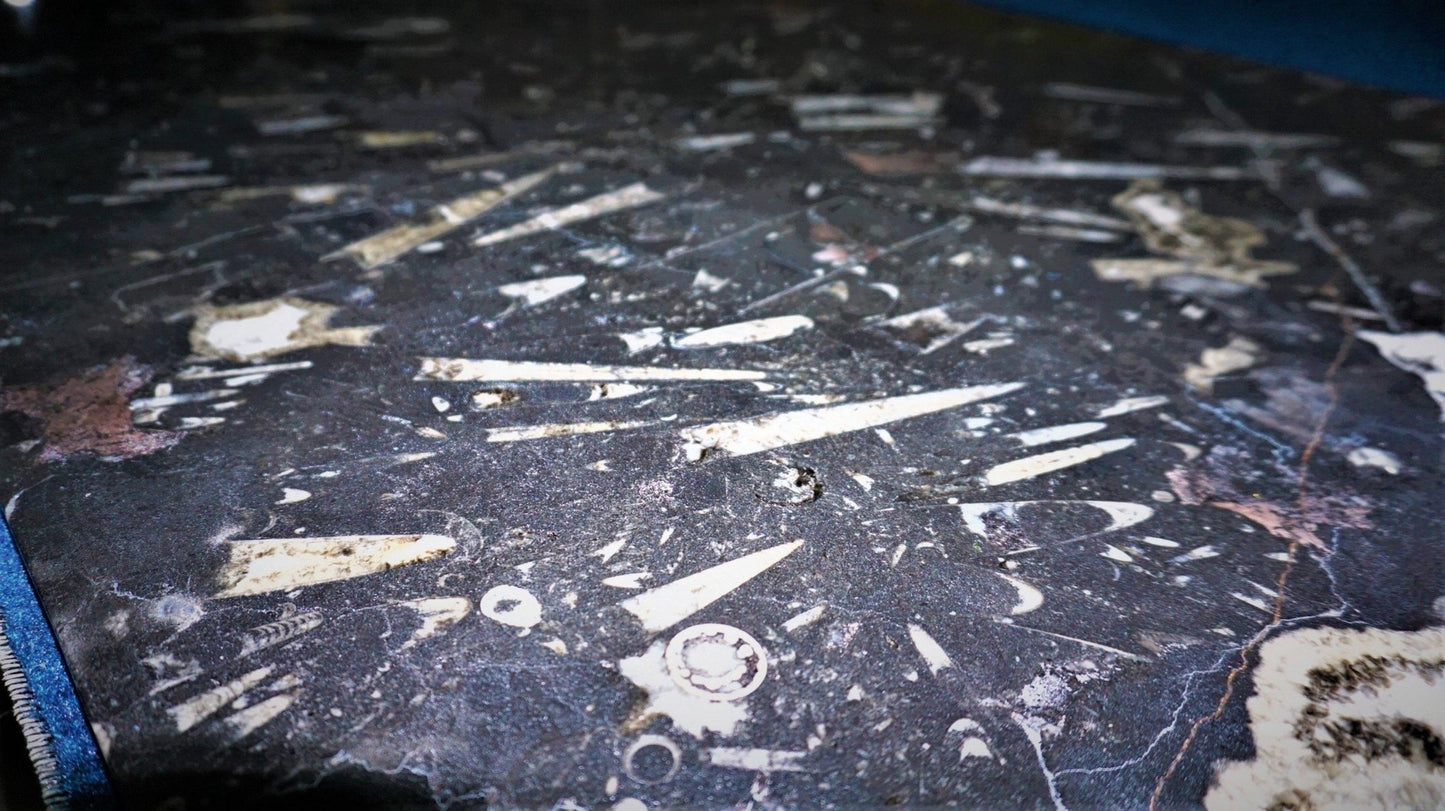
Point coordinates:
pixel 89 413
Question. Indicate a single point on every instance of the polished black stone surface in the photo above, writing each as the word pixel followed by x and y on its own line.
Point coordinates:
pixel 991 393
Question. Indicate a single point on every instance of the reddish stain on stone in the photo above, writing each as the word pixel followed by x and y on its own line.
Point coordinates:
pixel 89 413
pixel 1297 520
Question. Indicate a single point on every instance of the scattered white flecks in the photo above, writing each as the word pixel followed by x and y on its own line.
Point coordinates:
pixel 933 653
pixel 1197 553
pixel 631 580
pixel 1420 353
pixel 610 256
pixel 961 259
pixel 537 291
pixel 1116 554
pixel 1162 496
pixel 671 603
pixel 510 605
pixel 437 614
pixel 291 495
pixel 254 717
pixel 441 404
pixel 522 433
pixel 855 693
pixel 628 804
pixel 666 536
pixel 708 143
pixel 261 329
pixel 637 194
pixel 690 711
pixel 197 709
pixel 1253 139
pixel 1130 404
pixel 464 369
pixel 745 332
pixel 933 323
pixel 260 372
pixel 1164 543
pixel 993 166
pixel 1237 355
pixel 743 437
pixel 1354 743
pixel 755 760
pixel 1030 598
pixel 601 466
pixel 806 618
pixel 885 436
pixel 556 646
pixel 261 566
pixel 1122 514
pixel 708 282
pixel 1032 466
pixel 1374 457
pixel 864 481
pixel 279 632
pixel 429 432
pixel 1057 433
pixel 608 552
pixel 386 246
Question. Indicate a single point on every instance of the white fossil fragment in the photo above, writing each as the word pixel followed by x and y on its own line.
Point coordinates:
pixel 262 329
pixel 745 332
pixel 537 291
pixel 510 605
pixel 261 566
pixel 1032 466
pixel 195 710
pixel 671 603
pixel 743 437
pixel 507 371
pixel 437 614
pixel 637 194
pixel 933 653
pixel 386 246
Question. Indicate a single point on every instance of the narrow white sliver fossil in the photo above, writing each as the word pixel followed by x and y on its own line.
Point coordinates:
pixel 745 332
pixel 1031 466
pixel 743 437
pixel 638 194
pixel 519 371
pixel 387 245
